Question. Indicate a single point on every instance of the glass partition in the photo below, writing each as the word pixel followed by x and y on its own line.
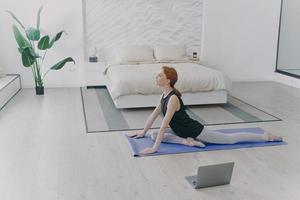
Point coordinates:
pixel 288 50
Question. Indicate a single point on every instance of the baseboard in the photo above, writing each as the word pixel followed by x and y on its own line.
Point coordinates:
pixel 251 80
pixel 287 80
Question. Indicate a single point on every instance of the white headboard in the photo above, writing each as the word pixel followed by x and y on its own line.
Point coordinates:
pixel 113 23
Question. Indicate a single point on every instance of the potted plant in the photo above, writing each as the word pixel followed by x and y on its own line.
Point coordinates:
pixel 33 48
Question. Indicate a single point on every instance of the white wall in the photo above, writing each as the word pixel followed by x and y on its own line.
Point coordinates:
pixel 240 37
pixel 56 16
pixel 145 22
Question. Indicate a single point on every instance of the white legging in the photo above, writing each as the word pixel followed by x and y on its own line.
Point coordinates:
pixel 210 136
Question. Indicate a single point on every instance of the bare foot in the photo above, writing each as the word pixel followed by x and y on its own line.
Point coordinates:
pixel 271 138
pixel 192 142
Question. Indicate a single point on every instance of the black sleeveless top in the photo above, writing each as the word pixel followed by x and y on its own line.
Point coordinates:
pixel 181 123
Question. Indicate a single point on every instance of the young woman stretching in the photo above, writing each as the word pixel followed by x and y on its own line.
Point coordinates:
pixel 183 129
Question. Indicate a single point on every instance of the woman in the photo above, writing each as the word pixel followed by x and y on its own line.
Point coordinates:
pixel 183 129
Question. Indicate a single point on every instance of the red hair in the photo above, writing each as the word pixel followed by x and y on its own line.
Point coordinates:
pixel 171 74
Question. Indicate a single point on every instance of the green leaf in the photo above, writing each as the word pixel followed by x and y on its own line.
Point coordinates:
pixel 60 64
pixel 38 18
pixel 33 34
pixel 21 50
pixel 32 53
pixel 27 59
pixel 22 42
pixel 44 43
pixel 17 20
pixel 57 36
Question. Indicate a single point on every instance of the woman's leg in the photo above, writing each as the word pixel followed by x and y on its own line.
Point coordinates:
pixel 171 137
pixel 218 137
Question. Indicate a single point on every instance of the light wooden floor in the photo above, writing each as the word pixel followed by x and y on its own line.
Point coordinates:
pixel 45 154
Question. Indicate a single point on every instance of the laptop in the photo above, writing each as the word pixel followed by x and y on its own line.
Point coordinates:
pixel 212 175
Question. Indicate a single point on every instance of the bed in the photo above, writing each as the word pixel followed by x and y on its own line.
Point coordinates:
pixel 133 85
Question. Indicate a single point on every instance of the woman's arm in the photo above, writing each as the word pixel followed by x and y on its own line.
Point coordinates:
pixel 171 109
pixel 149 122
pixel 152 118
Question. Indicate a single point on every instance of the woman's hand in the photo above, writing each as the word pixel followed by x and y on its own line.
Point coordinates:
pixel 148 150
pixel 136 134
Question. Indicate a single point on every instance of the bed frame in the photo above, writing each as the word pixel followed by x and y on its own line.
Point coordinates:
pixel 138 101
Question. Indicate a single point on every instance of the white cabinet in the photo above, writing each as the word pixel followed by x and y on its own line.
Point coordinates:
pixel 94 74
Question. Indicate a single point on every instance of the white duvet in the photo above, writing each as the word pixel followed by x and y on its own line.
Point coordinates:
pixel 140 79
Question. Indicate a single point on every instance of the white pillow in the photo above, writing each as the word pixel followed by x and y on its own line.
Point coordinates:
pixel 183 60
pixel 1 72
pixel 135 53
pixel 169 52
pixel 137 62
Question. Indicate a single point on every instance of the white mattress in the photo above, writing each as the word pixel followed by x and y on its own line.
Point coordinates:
pixel 140 79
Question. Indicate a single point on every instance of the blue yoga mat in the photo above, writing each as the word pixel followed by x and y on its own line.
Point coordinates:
pixel 167 148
